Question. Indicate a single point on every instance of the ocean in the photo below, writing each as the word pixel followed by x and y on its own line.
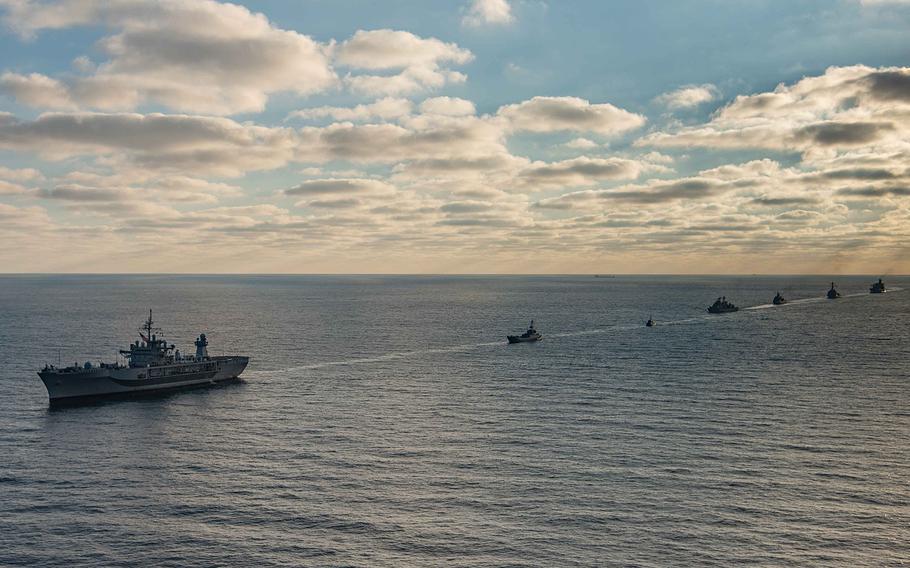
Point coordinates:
pixel 384 421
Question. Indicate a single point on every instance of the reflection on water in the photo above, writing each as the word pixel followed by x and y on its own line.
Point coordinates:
pixel 385 422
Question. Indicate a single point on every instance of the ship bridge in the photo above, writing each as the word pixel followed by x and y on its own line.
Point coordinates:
pixel 152 350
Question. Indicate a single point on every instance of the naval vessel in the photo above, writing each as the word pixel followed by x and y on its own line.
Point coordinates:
pixel 527 337
pixel 722 306
pixel 152 366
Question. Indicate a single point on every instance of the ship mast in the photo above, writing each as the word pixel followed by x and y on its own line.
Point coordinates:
pixel 148 325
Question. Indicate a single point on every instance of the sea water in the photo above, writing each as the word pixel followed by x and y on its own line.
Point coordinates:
pixel 384 421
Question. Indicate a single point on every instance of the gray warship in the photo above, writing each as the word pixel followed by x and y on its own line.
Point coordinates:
pixel 152 366
pixel 529 336
pixel 722 306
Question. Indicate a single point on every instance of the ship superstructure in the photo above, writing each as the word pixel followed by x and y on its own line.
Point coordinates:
pixel 153 365
pixel 877 287
pixel 527 337
pixel 722 306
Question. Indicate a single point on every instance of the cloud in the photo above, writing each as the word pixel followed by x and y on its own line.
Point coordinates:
pixel 388 108
pixel 578 171
pixel 21 174
pixel 688 96
pixel 422 61
pixel 10 188
pixel 85 188
pixel 553 114
pixel 845 108
pixel 440 138
pixel 199 145
pixel 336 186
pixel 902 191
pixel 448 106
pixel 706 184
pixel 488 12
pixel 36 90
pixel 193 56
pixel 842 133
pixel 390 49
pixel 581 144
pixel 783 201
pixel 409 81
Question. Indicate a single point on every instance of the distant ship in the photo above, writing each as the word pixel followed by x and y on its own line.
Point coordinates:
pixel 833 294
pixel 779 300
pixel 526 337
pixel 877 287
pixel 650 322
pixel 722 306
pixel 151 368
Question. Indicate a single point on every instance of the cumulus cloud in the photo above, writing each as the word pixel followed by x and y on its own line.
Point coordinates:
pixel 423 62
pixel 391 49
pixel 340 186
pixel 11 188
pixel 581 144
pixel 488 12
pixel 579 171
pixel 552 114
pixel 36 90
pixel 449 138
pixel 688 96
pixel 847 107
pixel 203 145
pixel 86 188
pixel 747 177
pixel 387 108
pixel 448 106
pixel 20 174
pixel 196 56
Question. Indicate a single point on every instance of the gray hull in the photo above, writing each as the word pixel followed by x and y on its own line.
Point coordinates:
pixel 97 383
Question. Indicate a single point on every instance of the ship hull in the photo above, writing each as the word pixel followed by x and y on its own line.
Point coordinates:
pixel 519 339
pixel 103 383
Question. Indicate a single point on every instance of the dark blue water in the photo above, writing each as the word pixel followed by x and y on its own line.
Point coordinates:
pixel 384 422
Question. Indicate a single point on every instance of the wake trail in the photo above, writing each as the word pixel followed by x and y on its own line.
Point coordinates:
pixel 380 358
pixel 595 331
pixel 816 299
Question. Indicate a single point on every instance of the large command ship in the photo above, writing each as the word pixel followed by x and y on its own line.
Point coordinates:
pixel 152 366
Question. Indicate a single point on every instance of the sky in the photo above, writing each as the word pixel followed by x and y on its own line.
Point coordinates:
pixel 457 136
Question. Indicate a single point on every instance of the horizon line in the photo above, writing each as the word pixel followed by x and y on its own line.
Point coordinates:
pixel 428 274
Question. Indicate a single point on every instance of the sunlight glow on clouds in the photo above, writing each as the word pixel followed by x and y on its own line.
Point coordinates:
pixel 686 97
pixel 205 122
pixel 163 51
pixel 551 114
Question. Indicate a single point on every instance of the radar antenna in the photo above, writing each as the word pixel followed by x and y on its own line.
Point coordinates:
pixel 149 328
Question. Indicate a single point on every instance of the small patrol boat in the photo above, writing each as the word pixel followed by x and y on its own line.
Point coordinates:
pixel 526 337
pixel 877 287
pixel 779 300
pixel 650 322
pixel 833 294
pixel 722 306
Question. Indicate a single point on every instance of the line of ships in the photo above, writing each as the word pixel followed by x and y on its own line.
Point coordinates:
pixel 154 366
pixel 720 306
